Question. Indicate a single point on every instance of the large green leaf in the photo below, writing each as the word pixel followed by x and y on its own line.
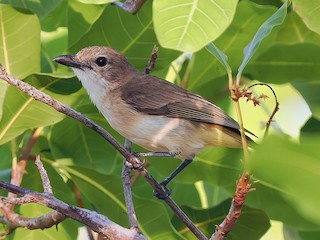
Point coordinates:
pixel 21 112
pixel 291 170
pixel 81 17
pixel 294 31
pixel 252 223
pixel 190 25
pixel 309 12
pixel 135 38
pixel 283 63
pixel 231 42
pixel 19 41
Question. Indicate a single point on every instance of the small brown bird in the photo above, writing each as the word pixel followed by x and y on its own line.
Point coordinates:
pixel 149 111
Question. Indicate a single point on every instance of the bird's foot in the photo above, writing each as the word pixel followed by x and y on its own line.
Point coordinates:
pixel 165 192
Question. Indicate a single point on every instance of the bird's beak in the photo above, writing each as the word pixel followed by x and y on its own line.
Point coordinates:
pixel 70 61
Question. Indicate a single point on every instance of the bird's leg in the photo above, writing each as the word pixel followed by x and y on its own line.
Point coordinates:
pixel 170 177
pixel 155 154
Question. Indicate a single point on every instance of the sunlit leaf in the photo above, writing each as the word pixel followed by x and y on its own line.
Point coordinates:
pixel 19 41
pixel 309 12
pixel 231 43
pixel 190 25
pixel 21 112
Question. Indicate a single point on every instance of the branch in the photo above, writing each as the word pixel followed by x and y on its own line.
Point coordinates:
pixel 134 161
pixel 44 176
pixel 92 219
pixel 152 60
pixel 14 220
pixel 127 190
pixel 243 187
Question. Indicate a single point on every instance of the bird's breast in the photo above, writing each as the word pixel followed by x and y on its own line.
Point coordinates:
pixel 162 133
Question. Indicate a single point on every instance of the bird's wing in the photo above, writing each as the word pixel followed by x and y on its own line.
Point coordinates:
pixel 155 96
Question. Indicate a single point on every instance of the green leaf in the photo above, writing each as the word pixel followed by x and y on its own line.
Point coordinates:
pixel 312 127
pixel 218 166
pixel 19 41
pixel 291 170
pixel 81 17
pixel 276 19
pixel 21 112
pixel 309 12
pixel 135 39
pixel 284 63
pixel 190 25
pixel 231 43
pixel 222 58
pixel 3 89
pixel 294 31
pixel 252 223
pixel 88 149
pixel 199 195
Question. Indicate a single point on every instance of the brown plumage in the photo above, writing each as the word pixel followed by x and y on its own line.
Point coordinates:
pixel 152 112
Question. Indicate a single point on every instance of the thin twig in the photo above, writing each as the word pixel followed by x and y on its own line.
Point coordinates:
pixel 127 190
pixel 135 162
pixel 44 176
pixel 276 107
pixel 152 60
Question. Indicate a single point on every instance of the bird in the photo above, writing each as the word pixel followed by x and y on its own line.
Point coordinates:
pixel 154 113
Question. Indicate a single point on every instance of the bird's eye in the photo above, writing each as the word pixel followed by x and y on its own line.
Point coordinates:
pixel 101 61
